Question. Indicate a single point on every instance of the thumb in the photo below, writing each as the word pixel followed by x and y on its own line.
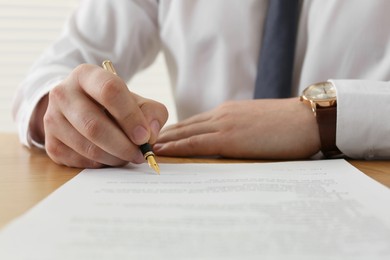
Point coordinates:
pixel 156 114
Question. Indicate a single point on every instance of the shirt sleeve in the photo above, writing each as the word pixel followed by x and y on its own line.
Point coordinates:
pixel 124 31
pixel 363 125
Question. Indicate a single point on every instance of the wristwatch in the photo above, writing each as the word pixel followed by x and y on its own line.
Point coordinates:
pixel 321 98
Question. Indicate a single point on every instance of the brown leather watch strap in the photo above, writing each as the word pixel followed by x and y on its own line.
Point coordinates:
pixel 326 119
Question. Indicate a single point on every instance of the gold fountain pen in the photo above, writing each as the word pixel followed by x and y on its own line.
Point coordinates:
pixel 146 149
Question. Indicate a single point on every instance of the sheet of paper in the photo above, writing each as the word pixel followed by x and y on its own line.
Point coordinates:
pixel 293 210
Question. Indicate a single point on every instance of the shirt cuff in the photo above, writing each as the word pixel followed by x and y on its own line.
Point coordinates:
pixel 362 118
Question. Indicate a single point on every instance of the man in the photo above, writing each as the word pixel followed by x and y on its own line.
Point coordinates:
pixel 212 50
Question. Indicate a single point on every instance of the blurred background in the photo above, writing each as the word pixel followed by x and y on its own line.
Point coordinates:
pixel 28 27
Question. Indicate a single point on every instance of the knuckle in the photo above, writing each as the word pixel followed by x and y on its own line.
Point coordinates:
pixel 193 142
pixel 164 113
pixel 92 128
pixel 54 151
pixel 93 152
pixel 48 119
pixel 225 111
pixel 82 68
pixel 57 94
pixel 109 91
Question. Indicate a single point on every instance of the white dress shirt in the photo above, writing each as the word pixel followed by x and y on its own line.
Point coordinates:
pixel 211 49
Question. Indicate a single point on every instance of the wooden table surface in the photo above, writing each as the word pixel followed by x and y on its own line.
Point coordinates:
pixel 27 176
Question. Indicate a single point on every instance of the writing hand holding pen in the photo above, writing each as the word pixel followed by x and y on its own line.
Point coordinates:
pixel 145 148
pixel 72 123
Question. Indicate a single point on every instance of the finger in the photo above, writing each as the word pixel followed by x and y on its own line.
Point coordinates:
pixel 63 155
pixel 198 145
pixel 185 131
pixel 112 93
pixel 156 115
pixel 91 122
pixel 78 143
pixel 203 117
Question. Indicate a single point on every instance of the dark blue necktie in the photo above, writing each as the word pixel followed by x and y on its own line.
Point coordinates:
pixel 276 59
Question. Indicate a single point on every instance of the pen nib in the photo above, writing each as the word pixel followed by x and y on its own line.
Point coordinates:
pixel 147 151
pixel 153 164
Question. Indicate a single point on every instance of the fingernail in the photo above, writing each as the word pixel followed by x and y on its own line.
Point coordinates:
pixel 155 127
pixel 140 135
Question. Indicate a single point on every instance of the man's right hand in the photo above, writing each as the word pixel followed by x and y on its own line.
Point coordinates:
pixel 91 120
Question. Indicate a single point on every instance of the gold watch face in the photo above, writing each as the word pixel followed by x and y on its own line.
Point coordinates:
pixel 320 92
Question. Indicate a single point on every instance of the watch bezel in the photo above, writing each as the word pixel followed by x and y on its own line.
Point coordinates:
pixel 316 103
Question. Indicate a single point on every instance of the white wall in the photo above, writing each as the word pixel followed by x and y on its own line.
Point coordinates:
pixel 28 27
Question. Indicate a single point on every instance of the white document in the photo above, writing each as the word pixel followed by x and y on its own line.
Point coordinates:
pixel 294 210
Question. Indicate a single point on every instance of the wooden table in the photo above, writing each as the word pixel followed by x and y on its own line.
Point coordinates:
pixel 28 176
